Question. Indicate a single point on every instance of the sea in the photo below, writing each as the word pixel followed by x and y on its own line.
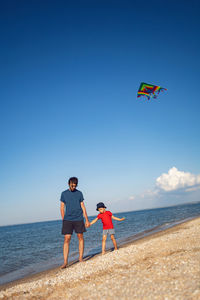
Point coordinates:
pixel 27 249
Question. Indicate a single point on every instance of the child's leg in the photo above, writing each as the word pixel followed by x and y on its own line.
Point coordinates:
pixel 114 241
pixel 104 244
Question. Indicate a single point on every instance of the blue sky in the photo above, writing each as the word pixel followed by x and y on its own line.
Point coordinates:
pixel 69 75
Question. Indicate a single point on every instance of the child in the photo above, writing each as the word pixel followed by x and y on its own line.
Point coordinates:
pixel 106 218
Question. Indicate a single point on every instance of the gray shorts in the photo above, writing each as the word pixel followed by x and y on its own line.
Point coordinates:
pixel 108 231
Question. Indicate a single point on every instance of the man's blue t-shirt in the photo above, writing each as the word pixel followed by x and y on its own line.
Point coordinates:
pixel 72 200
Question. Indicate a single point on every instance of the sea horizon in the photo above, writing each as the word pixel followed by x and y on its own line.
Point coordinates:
pixel 114 212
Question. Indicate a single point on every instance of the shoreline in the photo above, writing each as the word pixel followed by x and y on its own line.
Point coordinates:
pixel 53 275
pixel 128 241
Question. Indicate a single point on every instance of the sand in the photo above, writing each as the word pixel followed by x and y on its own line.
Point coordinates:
pixel 165 265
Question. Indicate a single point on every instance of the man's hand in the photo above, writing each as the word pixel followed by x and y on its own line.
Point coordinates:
pixel 87 224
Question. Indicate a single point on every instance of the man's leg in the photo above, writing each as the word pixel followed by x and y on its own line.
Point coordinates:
pixel 104 244
pixel 114 241
pixel 81 245
pixel 66 249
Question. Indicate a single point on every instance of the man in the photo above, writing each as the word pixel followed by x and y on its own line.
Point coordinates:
pixel 72 211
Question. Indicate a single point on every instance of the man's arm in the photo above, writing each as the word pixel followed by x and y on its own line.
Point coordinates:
pixel 87 223
pixel 62 209
pixel 118 219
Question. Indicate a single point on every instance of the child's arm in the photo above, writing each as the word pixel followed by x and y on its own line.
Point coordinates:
pixel 118 219
pixel 93 221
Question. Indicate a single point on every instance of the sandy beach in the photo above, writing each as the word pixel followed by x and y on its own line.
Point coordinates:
pixel 165 265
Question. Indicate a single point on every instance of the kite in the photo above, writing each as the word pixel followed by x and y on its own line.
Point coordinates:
pixel 149 91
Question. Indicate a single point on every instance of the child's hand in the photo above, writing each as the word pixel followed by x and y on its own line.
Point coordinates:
pixel 122 219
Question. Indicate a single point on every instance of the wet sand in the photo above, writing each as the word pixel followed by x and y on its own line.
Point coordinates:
pixel 165 265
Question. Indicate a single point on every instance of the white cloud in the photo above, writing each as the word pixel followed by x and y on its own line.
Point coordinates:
pixel 171 188
pixel 149 193
pixel 192 189
pixel 175 179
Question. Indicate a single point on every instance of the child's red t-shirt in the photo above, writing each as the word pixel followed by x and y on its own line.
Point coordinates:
pixel 106 220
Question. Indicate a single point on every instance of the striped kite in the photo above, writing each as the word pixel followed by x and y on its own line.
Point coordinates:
pixel 149 91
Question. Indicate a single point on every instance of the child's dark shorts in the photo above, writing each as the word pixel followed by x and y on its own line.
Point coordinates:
pixel 69 226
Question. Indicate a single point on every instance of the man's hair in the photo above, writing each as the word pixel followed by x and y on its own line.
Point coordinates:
pixel 73 180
